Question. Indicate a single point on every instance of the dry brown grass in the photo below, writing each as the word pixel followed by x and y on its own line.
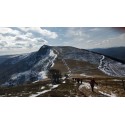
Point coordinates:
pixel 60 66
pixel 109 85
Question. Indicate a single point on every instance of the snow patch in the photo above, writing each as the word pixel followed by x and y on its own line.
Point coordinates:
pixel 35 81
pixel 84 75
pixel 54 86
pixel 101 62
pixel 33 75
pixel 43 87
pixel 111 67
pixel 39 93
pixel 63 78
pixel 84 85
pixel 64 81
pixel 109 95
pixel 52 54
pixel 42 75
pixel 18 75
pixel 116 80
pixel 18 58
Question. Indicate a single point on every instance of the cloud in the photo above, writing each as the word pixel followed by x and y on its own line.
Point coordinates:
pixel 9 31
pixel 111 42
pixel 77 33
pixel 3 44
pixel 27 39
pixel 24 39
pixel 20 44
pixel 88 38
pixel 117 41
pixel 76 36
pixel 40 31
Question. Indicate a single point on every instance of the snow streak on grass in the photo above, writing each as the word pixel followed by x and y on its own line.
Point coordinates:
pixel 44 91
pixel 110 95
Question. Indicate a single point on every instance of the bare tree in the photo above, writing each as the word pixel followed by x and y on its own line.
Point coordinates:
pixel 55 76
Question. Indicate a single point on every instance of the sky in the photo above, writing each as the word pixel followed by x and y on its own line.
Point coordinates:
pixel 17 40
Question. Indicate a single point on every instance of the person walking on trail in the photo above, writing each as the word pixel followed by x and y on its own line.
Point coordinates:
pixel 92 84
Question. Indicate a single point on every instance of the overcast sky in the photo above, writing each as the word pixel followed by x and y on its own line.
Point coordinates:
pixel 17 40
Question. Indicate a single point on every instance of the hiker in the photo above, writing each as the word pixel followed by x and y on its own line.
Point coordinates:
pixel 92 84
pixel 78 80
pixel 81 81
pixel 74 79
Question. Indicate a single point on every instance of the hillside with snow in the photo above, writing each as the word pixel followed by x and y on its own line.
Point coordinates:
pixel 28 68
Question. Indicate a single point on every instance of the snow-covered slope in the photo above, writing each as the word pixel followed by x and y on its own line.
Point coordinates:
pixel 105 64
pixel 34 66
pixel 111 67
pixel 29 68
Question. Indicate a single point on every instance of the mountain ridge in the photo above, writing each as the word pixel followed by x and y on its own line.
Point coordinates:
pixel 113 52
pixel 34 66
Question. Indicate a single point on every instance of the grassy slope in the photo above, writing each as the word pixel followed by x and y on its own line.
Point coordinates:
pixel 68 89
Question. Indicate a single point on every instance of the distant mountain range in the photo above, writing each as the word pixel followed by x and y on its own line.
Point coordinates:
pixel 115 52
pixel 4 58
pixel 28 68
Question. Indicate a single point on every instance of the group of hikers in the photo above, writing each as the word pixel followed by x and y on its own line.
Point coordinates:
pixel 55 76
pixel 78 80
pixel 92 82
